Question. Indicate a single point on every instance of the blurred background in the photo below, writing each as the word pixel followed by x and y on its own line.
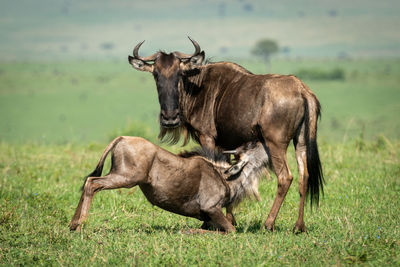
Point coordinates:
pixel 65 78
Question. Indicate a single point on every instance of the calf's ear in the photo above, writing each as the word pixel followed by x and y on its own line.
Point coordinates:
pixel 140 64
pixel 235 169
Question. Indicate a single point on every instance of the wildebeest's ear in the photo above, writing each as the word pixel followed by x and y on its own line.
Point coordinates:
pixel 198 59
pixel 235 169
pixel 140 65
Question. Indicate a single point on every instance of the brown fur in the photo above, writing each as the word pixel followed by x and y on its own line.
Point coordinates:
pixel 189 185
pixel 224 105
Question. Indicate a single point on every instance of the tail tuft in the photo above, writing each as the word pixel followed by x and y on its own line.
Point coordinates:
pixel 315 174
pixel 315 186
pixel 99 169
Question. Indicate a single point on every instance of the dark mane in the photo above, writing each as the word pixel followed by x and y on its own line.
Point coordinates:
pixel 236 66
pixel 172 136
pixel 209 60
pixel 213 155
pixel 231 65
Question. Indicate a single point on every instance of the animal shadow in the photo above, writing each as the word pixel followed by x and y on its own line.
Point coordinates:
pixel 256 226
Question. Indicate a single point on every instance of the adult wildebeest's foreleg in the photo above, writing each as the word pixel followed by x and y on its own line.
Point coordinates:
pixel 207 142
pixel 301 157
pixel 281 169
pixel 91 187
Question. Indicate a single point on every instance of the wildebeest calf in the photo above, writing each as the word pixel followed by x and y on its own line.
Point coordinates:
pixel 187 184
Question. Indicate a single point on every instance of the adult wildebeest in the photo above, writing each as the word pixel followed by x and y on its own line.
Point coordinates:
pixel 187 184
pixel 222 104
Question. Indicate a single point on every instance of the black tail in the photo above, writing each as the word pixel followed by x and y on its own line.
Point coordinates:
pixel 315 175
pixel 99 168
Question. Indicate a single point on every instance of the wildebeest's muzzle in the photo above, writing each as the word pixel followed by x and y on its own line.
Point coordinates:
pixel 168 96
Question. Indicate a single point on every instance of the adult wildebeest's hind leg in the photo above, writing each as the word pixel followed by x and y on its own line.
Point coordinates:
pixel 301 157
pixel 91 187
pixel 281 168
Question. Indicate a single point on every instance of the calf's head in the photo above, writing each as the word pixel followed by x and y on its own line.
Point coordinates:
pixel 167 70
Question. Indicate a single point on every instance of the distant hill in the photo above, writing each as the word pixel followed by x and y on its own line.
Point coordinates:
pixel 62 29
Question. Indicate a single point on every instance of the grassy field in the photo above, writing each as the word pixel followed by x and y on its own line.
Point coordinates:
pixel 358 220
pixel 58 29
pixel 56 119
pixel 85 102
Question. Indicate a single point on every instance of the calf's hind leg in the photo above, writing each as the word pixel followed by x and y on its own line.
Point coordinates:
pixel 91 187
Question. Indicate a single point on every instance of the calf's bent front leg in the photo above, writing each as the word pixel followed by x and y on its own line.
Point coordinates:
pixel 219 220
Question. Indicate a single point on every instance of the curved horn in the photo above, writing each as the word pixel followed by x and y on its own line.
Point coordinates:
pixel 186 56
pixel 136 53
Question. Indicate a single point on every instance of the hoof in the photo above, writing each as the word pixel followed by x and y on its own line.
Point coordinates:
pixel 297 229
pixel 74 226
pixel 207 226
pixel 230 230
pixel 210 226
pixel 231 219
pixel 269 228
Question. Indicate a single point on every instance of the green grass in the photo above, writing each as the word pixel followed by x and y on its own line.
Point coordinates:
pixel 82 102
pixel 72 102
pixel 365 103
pixel 357 221
pixel 56 118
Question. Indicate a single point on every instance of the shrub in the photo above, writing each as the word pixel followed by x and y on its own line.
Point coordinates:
pixel 316 74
